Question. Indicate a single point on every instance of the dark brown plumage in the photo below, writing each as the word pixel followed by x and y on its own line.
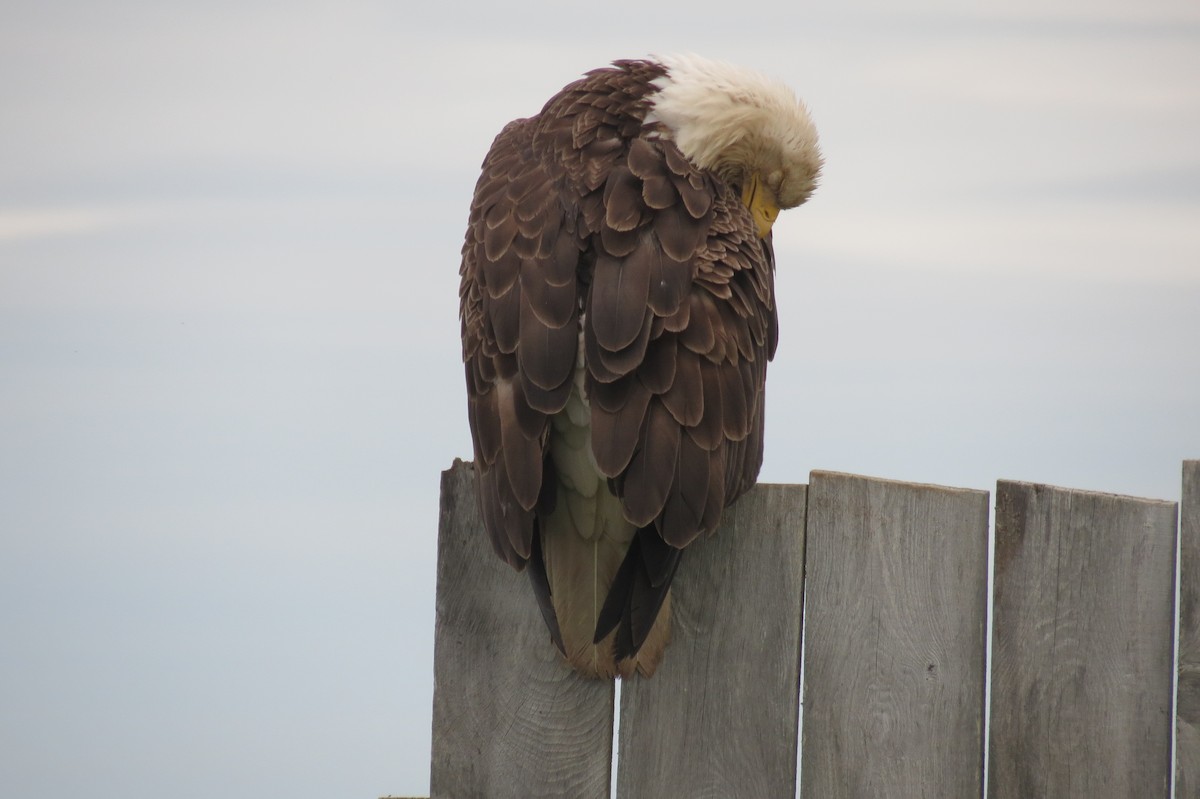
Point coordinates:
pixel 591 234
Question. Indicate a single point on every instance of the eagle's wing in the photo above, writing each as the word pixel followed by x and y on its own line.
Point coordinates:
pixel 520 330
pixel 681 323
pixel 680 326
pixel 582 220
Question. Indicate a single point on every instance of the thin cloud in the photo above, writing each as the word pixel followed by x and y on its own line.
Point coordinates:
pixel 1134 75
pixel 1102 242
pixel 43 223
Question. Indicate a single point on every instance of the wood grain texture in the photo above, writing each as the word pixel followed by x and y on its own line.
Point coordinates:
pixel 1081 653
pixel 509 718
pixel 1187 729
pixel 719 718
pixel 896 586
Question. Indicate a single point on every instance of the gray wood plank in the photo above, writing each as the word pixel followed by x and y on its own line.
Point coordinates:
pixel 719 717
pixel 895 620
pixel 509 718
pixel 1081 654
pixel 1187 729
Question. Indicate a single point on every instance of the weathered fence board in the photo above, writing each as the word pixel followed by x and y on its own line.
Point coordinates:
pixel 1187 730
pixel 896 578
pixel 1081 654
pixel 719 718
pixel 509 719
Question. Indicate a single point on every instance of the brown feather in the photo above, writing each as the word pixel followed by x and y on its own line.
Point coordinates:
pixel 591 209
pixel 658 559
pixel 540 582
pixel 547 401
pixel 772 333
pixel 685 398
pixel 498 234
pixel 493 522
pixel 595 364
pixel 505 365
pixel 583 130
pixel 615 435
pixel 683 513
pixel 645 602
pixel 645 160
pixel 742 339
pixel 740 303
pixel 529 182
pixel 609 397
pixel 659 192
pixel 554 306
pixel 602 150
pixel 504 319
pixel 617 599
pixel 624 361
pixel 696 196
pixel 652 469
pixel 546 354
pixel 681 235
pixel 549 232
pixel 657 370
pixel 734 406
pixel 532 218
pixel 498 276
pixel 714 502
pixel 511 527
pixel 485 425
pixel 679 320
pixel 623 209
pixel 618 243
pixel 639 600
pixel 522 456
pixel 617 301
pixel 709 432
pixel 699 336
pixel 676 161
pixel 560 266
pixel 524 246
pixel 669 280
pixel 530 422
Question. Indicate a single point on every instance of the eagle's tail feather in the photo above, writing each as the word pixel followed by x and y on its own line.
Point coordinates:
pixel 604 580
pixel 541 590
pixel 638 592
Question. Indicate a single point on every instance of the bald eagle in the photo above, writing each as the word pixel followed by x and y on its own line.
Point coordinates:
pixel 618 312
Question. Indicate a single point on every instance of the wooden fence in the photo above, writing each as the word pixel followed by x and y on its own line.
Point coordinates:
pixel 888 581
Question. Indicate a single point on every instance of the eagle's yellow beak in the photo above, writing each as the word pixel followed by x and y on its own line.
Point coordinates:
pixel 762 205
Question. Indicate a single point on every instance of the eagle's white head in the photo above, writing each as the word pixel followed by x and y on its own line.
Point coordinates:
pixel 749 130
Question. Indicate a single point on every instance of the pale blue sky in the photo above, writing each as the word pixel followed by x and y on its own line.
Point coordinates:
pixel 229 373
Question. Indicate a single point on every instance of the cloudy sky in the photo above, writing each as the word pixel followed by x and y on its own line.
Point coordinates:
pixel 229 376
